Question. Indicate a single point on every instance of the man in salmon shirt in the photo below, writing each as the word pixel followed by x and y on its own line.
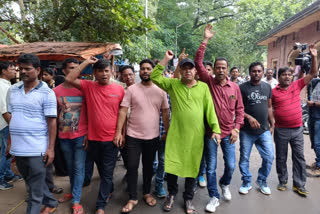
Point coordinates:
pixel 103 98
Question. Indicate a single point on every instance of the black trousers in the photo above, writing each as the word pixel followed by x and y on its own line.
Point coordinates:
pixel 33 171
pixel 134 148
pixel 294 136
pixel 104 154
pixel 172 182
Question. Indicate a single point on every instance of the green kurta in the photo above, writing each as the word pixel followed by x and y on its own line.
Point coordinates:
pixel 185 139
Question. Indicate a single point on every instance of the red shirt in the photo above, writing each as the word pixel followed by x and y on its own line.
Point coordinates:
pixel 227 99
pixel 103 102
pixel 72 112
pixel 287 105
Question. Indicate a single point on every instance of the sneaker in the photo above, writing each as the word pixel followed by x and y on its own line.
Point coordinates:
pixel 315 172
pixel 4 185
pixel 202 182
pixel 212 205
pixel 13 179
pixel 245 187
pixel 160 191
pixel 282 186
pixel 263 187
pixel 300 190
pixel 226 194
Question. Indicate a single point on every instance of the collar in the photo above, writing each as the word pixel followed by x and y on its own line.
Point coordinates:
pixel 37 87
pixel 227 84
pixel 5 81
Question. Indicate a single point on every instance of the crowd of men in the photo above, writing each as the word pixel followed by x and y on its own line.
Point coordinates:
pixel 181 120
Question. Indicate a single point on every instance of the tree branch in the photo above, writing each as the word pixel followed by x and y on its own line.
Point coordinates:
pixel 211 20
pixel 9 36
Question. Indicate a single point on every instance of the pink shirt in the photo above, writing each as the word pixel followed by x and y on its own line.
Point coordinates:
pixel 72 112
pixel 287 105
pixel 145 103
pixel 103 102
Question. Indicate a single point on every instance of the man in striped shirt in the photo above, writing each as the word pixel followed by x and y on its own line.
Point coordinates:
pixel 288 125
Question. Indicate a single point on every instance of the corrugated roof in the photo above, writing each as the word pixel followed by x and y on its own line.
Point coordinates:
pixel 57 50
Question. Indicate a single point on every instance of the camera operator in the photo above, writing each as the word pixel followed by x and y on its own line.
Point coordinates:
pixel 288 125
pixel 314 124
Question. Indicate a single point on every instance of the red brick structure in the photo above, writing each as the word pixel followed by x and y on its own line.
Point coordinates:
pixel 304 27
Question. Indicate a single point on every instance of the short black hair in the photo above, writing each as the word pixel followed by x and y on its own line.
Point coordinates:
pixel 234 67
pixel 255 64
pixel 69 60
pixel 284 69
pixel 208 63
pixel 102 64
pixel 147 61
pixel 220 59
pixel 29 59
pixel 49 71
pixel 5 65
pixel 124 67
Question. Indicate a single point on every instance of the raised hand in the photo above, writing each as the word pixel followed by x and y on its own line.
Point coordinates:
pixel 183 55
pixel 169 55
pixel 313 50
pixel 208 33
pixel 92 60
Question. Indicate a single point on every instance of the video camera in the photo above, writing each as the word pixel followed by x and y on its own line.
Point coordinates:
pixel 304 58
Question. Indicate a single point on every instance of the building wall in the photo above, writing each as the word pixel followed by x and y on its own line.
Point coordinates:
pixel 282 51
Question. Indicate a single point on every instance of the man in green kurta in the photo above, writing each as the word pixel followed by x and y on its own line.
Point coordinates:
pixel 191 102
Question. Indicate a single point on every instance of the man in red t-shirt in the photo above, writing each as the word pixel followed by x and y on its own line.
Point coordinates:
pixel 103 100
pixel 288 125
pixel 73 128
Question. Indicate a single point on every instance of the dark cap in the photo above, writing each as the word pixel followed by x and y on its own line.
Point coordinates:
pixel 186 61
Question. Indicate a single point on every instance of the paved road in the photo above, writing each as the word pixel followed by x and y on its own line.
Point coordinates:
pixel 254 203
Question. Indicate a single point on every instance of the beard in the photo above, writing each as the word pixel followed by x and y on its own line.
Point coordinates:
pixel 143 79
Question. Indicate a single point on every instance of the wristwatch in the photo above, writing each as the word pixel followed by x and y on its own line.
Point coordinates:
pixel 237 130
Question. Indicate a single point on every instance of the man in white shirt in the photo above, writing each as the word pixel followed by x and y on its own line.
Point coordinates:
pixel 7 72
pixel 269 78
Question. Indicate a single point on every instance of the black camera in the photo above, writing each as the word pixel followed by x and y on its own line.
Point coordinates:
pixel 304 58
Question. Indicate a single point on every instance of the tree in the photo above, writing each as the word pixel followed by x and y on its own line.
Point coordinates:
pixel 77 20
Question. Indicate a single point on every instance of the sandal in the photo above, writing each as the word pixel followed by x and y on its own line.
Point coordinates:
pixel 77 209
pixel 189 208
pixel 65 198
pixel 56 190
pixel 129 206
pixel 151 201
pixel 47 210
pixel 168 205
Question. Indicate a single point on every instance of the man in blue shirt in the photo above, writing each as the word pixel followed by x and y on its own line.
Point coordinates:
pixel 33 138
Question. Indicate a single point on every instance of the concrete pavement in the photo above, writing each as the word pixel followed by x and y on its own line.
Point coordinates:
pixel 253 203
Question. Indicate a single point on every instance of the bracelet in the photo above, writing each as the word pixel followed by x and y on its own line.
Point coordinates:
pixel 237 130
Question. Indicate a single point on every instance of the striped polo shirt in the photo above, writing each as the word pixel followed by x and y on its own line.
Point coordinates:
pixel 287 105
pixel 28 126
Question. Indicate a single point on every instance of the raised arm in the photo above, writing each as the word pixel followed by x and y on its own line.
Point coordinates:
pixel 72 77
pixel 202 72
pixel 156 75
pixel 182 56
pixel 314 65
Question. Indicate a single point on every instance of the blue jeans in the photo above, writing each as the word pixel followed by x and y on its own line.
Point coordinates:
pixel 314 126
pixel 264 145
pixel 160 164
pixel 210 154
pixel 75 157
pixel 5 165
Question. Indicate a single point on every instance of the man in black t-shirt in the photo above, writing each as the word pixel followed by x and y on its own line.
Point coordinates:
pixel 258 127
